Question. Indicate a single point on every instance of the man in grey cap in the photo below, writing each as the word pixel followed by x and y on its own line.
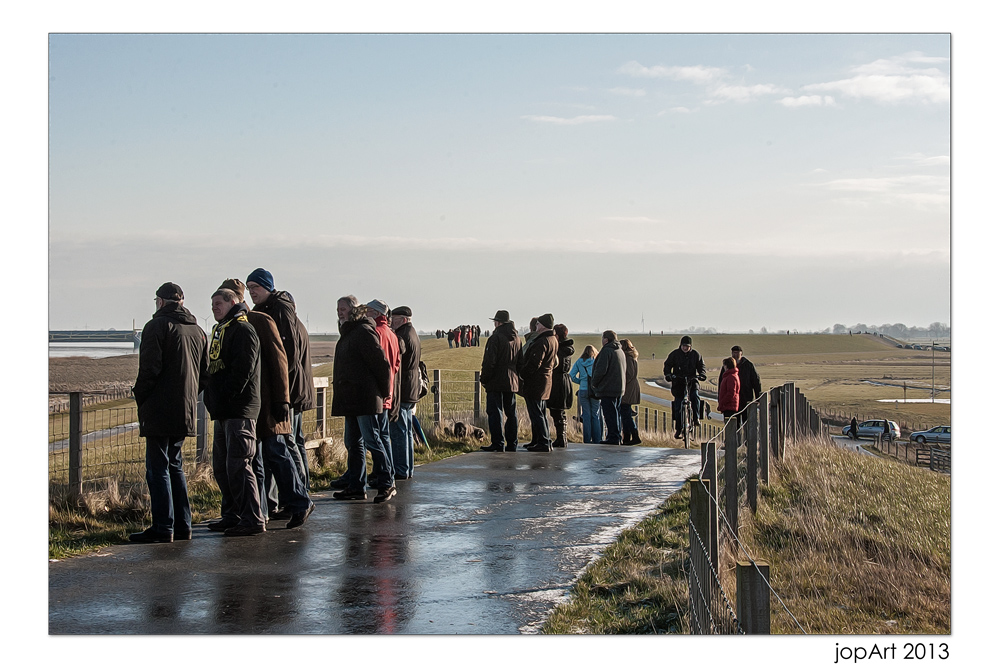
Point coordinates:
pixel 401 429
pixel 499 379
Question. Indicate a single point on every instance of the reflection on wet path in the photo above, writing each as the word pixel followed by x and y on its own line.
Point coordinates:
pixel 485 543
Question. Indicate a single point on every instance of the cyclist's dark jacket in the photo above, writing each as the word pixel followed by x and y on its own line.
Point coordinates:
pixel 684 365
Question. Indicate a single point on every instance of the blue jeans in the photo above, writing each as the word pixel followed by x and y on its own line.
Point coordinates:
pixel 501 404
pixel 284 470
pixel 539 422
pixel 612 419
pixel 590 417
pixel 168 496
pixel 401 437
pixel 300 446
pixel 369 432
pixel 628 419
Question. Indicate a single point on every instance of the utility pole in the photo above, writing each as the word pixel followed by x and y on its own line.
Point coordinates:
pixel 933 345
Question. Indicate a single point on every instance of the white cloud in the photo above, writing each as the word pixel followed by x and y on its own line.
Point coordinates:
pixel 739 93
pixel 807 101
pixel 905 78
pixel 628 92
pixel 919 190
pixel 700 74
pixel 575 120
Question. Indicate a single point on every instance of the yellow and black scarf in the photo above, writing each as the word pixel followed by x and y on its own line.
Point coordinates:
pixel 215 363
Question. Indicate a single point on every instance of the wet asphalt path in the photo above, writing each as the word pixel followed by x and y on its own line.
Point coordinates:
pixel 485 543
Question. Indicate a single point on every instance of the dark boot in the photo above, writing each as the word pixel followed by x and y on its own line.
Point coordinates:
pixel 560 423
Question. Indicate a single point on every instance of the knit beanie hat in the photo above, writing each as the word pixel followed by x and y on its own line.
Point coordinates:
pixel 686 340
pixel 547 320
pixel 236 285
pixel 262 278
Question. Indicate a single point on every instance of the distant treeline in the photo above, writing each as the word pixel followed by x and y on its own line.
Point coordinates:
pixel 898 330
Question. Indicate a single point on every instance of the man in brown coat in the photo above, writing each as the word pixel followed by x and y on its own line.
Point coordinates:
pixel 534 369
pixel 275 464
pixel 499 379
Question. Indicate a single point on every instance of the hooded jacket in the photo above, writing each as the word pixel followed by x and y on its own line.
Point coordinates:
pixel 499 370
pixel 729 391
pixel 360 371
pixel 281 307
pixel 234 368
pixel 561 397
pixel 409 369
pixel 535 364
pixel 608 380
pixel 173 368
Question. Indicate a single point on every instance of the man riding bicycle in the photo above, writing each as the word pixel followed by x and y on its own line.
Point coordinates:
pixel 682 365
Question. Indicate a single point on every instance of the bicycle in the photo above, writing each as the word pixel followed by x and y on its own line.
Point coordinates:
pixel 686 426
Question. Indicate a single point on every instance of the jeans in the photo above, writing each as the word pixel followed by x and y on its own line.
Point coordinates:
pixel 300 446
pixel 627 419
pixel 369 432
pixel 677 389
pixel 401 438
pixel 233 451
pixel 539 422
pixel 284 470
pixel 168 496
pixel 590 417
pixel 500 404
pixel 612 419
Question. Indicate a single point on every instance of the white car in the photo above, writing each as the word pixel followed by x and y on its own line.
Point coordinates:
pixel 871 428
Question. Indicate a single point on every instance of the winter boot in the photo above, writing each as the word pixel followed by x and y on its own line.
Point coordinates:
pixel 560 423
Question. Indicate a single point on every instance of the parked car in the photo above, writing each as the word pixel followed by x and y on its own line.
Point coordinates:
pixel 940 434
pixel 873 427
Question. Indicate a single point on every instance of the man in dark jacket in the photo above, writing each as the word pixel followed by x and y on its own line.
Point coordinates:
pixel 295 338
pixel 173 367
pixel 233 400
pixel 499 379
pixel 534 369
pixel 749 382
pixel 361 385
pixel 401 430
pixel 608 384
pixel 276 464
pixel 682 367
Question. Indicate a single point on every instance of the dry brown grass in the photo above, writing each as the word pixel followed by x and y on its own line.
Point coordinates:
pixel 857 544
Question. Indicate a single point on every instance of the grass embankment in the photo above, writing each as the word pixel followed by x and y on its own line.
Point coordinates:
pixel 856 545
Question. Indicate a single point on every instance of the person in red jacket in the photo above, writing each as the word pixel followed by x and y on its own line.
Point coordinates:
pixel 729 388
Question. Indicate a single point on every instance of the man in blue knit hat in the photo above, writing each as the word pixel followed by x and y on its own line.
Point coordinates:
pixel 281 307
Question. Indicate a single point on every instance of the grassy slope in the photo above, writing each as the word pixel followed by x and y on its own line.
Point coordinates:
pixel 856 545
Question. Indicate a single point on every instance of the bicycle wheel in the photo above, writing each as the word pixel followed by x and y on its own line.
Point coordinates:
pixel 688 421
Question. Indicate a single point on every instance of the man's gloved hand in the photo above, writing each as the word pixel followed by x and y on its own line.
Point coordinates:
pixel 279 412
pixel 702 378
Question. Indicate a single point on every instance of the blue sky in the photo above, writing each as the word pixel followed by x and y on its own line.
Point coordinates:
pixel 592 176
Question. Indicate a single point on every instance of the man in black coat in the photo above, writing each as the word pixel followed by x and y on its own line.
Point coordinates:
pixel 281 307
pixel 233 400
pixel 684 366
pixel 361 382
pixel 608 385
pixel 173 365
pixel 499 378
pixel 401 430
pixel 535 364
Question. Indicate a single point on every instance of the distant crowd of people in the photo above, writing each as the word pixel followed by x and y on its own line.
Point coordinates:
pixel 466 335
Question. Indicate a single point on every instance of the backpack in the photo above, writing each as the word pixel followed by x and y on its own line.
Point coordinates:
pixel 424 381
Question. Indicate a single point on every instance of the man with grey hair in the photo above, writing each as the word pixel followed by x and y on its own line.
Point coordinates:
pixel 233 400
pixel 401 429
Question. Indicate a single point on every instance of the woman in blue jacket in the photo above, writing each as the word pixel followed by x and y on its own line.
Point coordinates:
pixel 590 408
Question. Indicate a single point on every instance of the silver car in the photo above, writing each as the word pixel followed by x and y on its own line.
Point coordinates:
pixel 872 428
pixel 940 434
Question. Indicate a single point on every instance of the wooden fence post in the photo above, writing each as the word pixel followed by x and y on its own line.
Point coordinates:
pixel 712 473
pixel 731 439
pixel 645 419
pixel 763 440
pixel 753 597
pixel 751 432
pixel 477 398
pixel 201 442
pixel 76 445
pixel 437 396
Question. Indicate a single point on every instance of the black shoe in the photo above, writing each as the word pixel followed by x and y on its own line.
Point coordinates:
pixel 299 518
pixel 538 448
pixel 180 535
pixel 350 494
pixel 244 531
pixel 384 494
pixel 635 440
pixel 339 484
pixel 491 448
pixel 149 536
pixel 559 442
pixel 282 515
pixel 510 448
pixel 222 525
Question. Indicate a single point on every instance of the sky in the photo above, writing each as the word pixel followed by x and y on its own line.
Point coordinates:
pixel 624 181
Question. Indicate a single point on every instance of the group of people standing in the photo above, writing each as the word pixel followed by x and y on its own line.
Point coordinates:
pixel 466 335
pixel 256 374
